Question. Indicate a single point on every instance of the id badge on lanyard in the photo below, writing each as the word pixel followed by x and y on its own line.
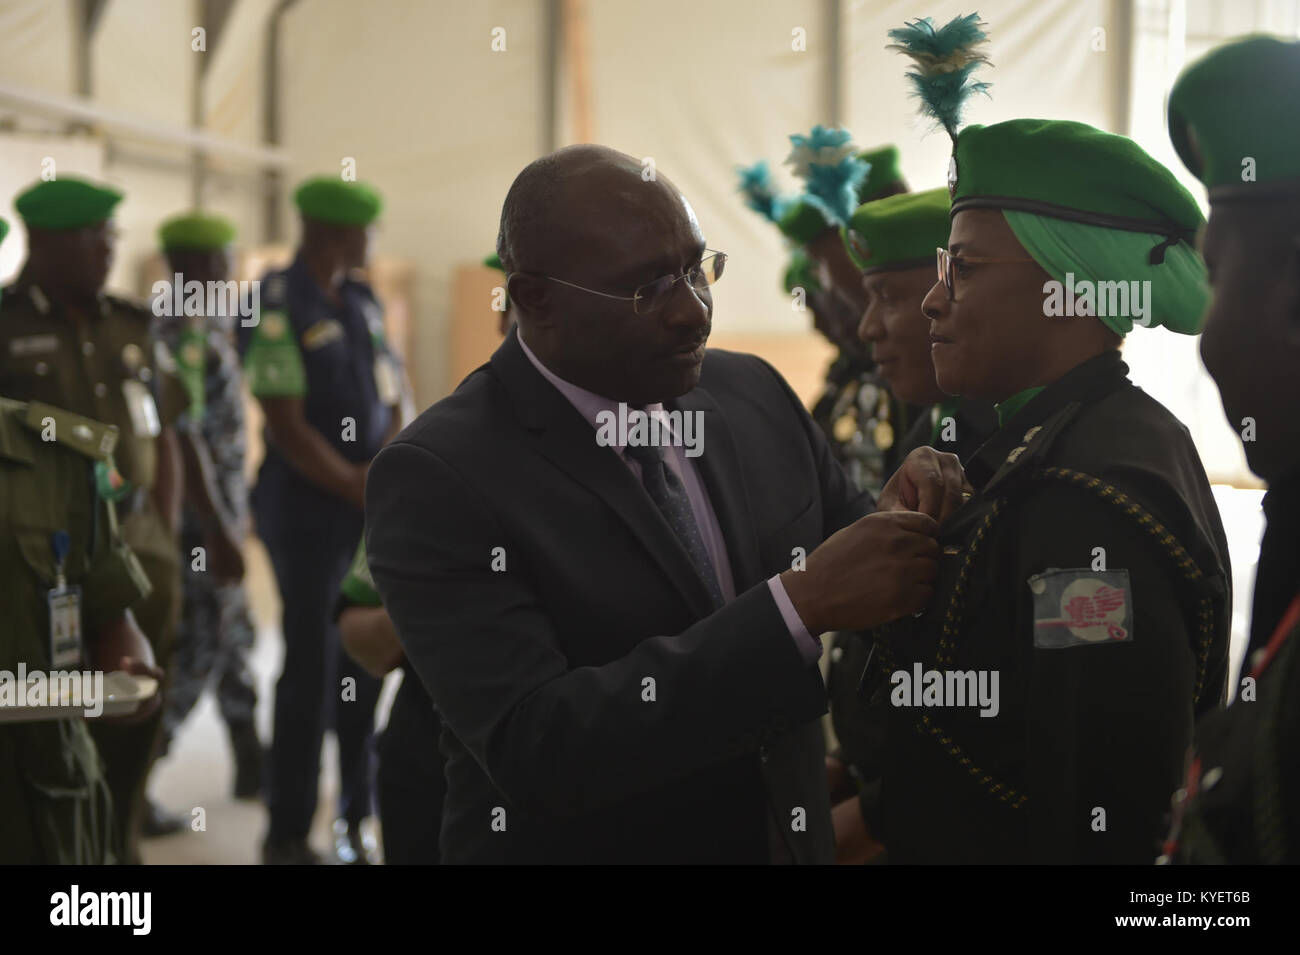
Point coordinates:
pixel 64 604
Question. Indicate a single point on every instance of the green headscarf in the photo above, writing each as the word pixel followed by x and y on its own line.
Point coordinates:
pixel 1179 289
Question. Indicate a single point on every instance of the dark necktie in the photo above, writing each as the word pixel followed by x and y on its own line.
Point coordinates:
pixel 666 490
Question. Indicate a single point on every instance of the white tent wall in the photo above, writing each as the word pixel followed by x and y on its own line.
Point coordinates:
pixel 141 61
pixel 36 44
pixel 702 88
pixel 233 108
pixel 435 119
pixel 1043 65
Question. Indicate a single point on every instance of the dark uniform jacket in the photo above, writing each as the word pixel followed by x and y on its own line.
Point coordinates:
pixel 102 369
pixel 859 730
pixel 304 346
pixel 538 670
pixel 1100 672
pixel 1241 803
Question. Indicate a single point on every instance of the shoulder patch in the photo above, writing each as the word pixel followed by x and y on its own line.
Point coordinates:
pixel 322 333
pixel 1077 607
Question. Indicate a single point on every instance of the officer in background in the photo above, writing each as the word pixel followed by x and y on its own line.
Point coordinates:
pixel 67 572
pixel 64 565
pixel 215 635
pixel 318 363
pixel 860 417
pixel 65 343
pixel 1241 800
pixel 857 414
pixel 411 782
pixel 892 243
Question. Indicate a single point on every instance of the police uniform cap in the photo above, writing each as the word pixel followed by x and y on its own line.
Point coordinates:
pixel 330 199
pixel 67 203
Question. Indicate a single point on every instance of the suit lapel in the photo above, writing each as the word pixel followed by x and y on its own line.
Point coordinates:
pixel 558 432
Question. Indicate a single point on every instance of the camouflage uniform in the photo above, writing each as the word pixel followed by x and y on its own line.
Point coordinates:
pixel 215 634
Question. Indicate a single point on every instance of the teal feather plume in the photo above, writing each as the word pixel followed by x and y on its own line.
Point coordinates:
pixel 760 195
pixel 944 59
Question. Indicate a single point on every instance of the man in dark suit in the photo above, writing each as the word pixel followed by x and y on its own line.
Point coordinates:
pixel 620 633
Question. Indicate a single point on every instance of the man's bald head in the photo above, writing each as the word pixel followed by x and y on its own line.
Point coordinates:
pixel 586 216
pixel 544 220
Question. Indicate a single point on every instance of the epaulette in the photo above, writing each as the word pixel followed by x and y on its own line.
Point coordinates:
pixel 94 439
pixel 131 306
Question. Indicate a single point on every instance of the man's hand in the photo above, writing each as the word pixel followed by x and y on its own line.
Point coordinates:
pixel 877 569
pixel 853 843
pixel 929 481
pixel 121 646
pixel 837 779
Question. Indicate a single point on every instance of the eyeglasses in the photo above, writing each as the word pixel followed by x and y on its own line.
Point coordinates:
pixel 653 295
pixel 947 267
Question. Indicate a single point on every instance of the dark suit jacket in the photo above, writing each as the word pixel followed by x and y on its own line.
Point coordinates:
pixel 595 709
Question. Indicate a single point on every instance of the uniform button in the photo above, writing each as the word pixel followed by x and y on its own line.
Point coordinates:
pixel 42 368
pixel 88 348
pixel 1211 779
pixel 836 653
pixel 101 389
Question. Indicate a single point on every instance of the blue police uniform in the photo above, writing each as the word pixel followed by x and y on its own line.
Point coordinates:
pixel 335 358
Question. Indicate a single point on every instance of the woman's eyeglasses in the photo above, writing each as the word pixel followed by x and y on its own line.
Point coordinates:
pixel 948 263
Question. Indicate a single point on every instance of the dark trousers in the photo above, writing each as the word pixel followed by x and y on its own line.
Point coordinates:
pixel 128 751
pixel 320 687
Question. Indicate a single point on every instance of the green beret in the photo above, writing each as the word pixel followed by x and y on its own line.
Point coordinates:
pixel 884 172
pixel 1235 104
pixel 196 230
pixel 68 203
pixel 898 232
pixel 799 274
pixel 4 229
pixel 1071 171
pixel 493 261
pixel 802 222
pixel 330 199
